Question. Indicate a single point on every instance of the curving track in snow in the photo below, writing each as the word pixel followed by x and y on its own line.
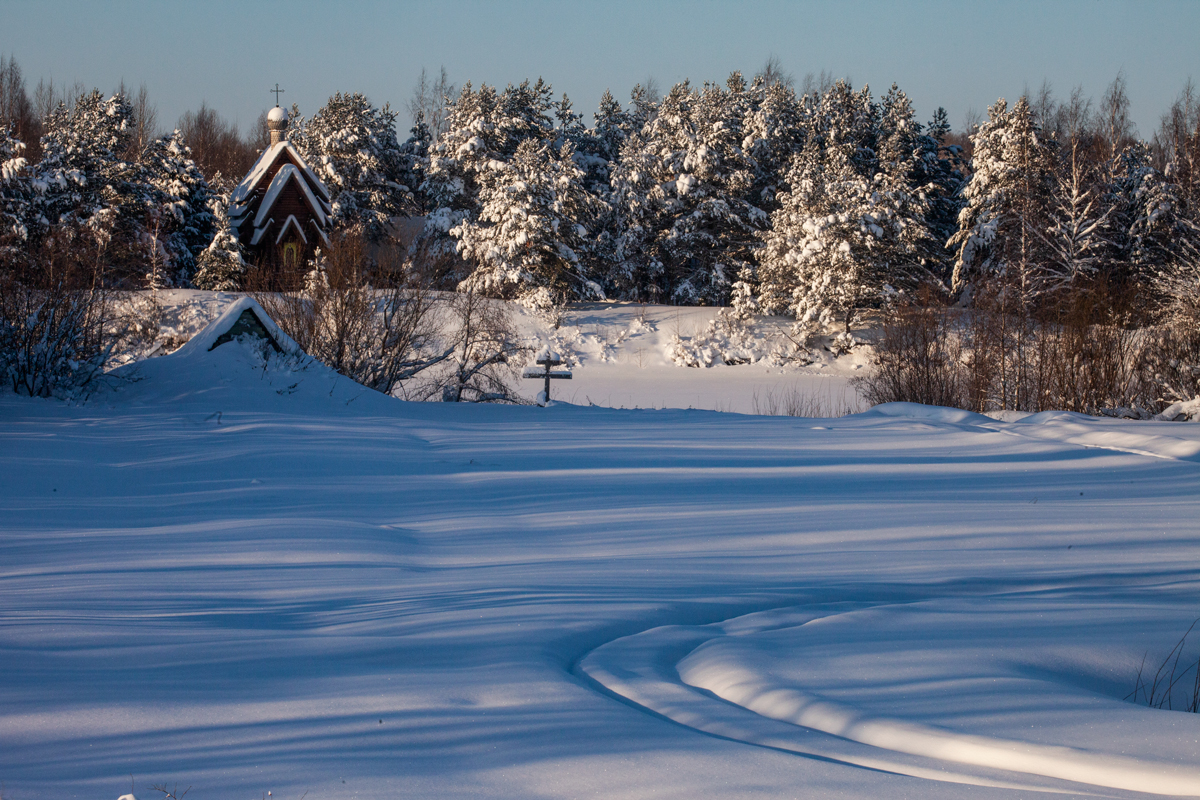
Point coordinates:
pixel 1022 703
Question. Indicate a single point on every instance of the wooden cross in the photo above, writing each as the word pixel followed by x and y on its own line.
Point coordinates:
pixel 276 91
pixel 551 360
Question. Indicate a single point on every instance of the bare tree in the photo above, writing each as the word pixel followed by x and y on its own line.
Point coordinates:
pixel 430 100
pixel 48 96
pixel 1177 143
pixel 16 110
pixel 819 84
pixel 972 119
pixel 258 138
pixel 1115 126
pixel 773 72
pixel 651 93
pixel 145 120
pixel 216 146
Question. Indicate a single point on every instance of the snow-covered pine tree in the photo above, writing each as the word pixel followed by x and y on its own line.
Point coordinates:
pixel 15 192
pixel 528 235
pixel 901 206
pixel 644 103
pixel 352 146
pixel 612 126
pixel 851 229
pixel 484 129
pixel 636 271
pixel 1149 227
pixel 774 130
pixel 1006 198
pixel 221 266
pixel 682 189
pixel 181 198
pixel 82 176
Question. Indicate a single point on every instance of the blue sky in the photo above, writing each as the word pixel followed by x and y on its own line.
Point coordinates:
pixel 960 55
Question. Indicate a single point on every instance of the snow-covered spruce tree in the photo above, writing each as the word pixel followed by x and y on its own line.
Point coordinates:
pixel 1006 200
pixel 1149 226
pixel 939 170
pixel 221 266
pixel 180 198
pixel 528 236
pixel 352 146
pixel 414 162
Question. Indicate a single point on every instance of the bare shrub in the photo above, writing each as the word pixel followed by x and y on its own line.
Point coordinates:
pixel 1169 364
pixel 918 359
pixel 1082 352
pixel 377 333
pixel 57 331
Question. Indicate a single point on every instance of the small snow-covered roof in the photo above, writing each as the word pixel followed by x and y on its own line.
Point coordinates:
pixel 211 335
pixel 277 114
pixel 246 188
pixel 287 172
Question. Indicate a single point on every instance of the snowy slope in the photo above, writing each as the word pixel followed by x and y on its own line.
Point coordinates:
pixel 249 575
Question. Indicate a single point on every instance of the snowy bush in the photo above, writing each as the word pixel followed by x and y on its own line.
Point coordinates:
pixel 56 325
pixel 727 339
pixel 486 353
pixel 379 334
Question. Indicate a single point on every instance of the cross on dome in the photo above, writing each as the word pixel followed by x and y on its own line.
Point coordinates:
pixel 276 91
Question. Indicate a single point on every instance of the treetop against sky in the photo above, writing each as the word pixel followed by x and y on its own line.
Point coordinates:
pixel 962 56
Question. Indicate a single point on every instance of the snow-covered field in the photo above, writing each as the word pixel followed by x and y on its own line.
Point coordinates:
pixel 239 578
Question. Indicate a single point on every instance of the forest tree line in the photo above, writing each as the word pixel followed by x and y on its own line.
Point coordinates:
pixel 819 204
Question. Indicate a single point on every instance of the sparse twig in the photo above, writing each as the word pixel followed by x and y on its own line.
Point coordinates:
pixel 170 794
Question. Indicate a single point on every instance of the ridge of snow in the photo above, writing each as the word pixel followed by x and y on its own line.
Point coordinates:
pixel 955 416
pixel 1080 429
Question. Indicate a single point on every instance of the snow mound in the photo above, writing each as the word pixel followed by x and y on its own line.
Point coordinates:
pixel 954 416
pixel 1188 410
pixel 1080 429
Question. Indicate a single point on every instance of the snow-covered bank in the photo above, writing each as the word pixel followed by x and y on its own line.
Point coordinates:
pixel 241 578
pixel 626 355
